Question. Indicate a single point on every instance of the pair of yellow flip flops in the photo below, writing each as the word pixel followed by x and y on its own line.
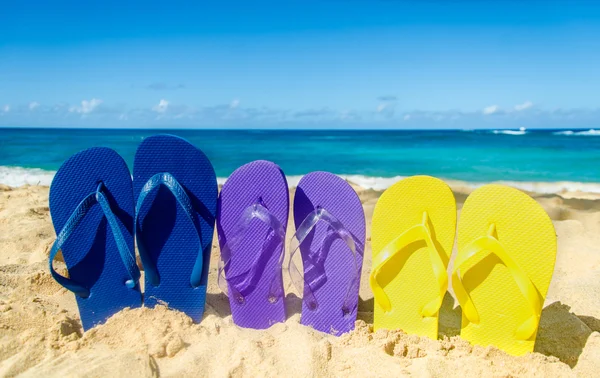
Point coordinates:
pixel 501 274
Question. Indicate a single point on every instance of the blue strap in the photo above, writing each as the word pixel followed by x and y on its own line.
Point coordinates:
pixel 185 202
pixel 82 209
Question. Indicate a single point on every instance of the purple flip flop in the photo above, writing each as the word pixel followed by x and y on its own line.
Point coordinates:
pixel 251 221
pixel 330 234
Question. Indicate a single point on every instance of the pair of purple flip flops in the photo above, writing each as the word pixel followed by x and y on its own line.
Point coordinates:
pixel 330 236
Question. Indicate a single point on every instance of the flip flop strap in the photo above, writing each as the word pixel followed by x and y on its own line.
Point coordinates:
pixel 184 201
pixel 492 245
pixel 398 245
pixel 242 282
pixel 74 220
pixel 319 276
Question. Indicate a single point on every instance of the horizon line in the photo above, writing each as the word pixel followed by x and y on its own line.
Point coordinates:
pixel 177 128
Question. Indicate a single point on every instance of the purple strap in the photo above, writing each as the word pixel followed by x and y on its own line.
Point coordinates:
pixel 314 274
pixel 240 283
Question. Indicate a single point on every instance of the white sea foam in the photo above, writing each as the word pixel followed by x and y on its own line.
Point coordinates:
pixel 382 183
pixel 521 131
pixel 18 176
pixel 538 186
pixel 590 132
pixel 367 182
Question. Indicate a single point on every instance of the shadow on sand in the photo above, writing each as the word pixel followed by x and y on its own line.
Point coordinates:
pixel 561 333
pixel 219 303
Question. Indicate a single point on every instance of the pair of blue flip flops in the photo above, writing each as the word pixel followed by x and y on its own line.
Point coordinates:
pixel 97 209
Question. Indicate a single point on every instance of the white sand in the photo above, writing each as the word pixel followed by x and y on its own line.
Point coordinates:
pixel 40 333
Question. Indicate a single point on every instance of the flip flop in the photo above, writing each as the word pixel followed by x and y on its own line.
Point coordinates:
pixel 414 223
pixel 96 241
pixel 251 224
pixel 175 189
pixel 505 261
pixel 330 234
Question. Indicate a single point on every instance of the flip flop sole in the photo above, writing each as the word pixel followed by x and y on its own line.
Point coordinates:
pixel 527 234
pixel 91 253
pixel 168 235
pixel 256 182
pixel 336 196
pixel 409 279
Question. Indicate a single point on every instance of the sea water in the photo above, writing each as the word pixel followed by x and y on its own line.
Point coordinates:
pixel 542 160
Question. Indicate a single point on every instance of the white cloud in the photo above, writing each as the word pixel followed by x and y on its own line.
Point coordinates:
pixel 234 104
pixel 162 106
pixel 33 105
pixel 123 117
pixel 386 107
pixel 6 108
pixel 406 117
pixel 86 106
pixel 344 114
pixel 523 106
pixel 490 109
pixel 349 115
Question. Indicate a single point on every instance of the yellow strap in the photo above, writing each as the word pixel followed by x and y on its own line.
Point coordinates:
pixel 490 244
pixel 414 234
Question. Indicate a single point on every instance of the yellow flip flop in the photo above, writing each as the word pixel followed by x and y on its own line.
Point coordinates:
pixel 505 261
pixel 414 224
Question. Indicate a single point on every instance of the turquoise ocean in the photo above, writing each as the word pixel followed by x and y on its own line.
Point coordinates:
pixel 540 160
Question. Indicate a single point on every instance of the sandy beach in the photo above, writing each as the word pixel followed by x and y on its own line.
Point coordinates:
pixel 40 332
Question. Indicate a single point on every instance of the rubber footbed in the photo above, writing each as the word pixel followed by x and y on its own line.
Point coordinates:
pixel 91 254
pixel 408 279
pixel 262 182
pixel 167 233
pixel 527 234
pixel 336 196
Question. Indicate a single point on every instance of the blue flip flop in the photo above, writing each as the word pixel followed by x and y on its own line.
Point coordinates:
pixel 91 205
pixel 175 190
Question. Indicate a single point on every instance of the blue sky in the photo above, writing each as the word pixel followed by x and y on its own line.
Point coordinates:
pixel 326 64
